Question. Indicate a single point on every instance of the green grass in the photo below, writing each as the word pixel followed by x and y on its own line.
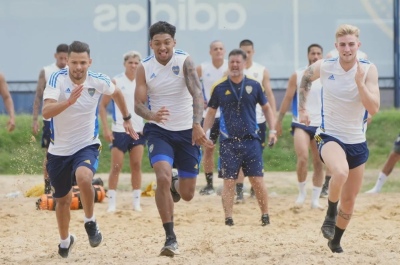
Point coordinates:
pixel 21 154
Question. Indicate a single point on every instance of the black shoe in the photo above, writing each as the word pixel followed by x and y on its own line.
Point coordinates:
pixel 94 234
pixel 175 195
pixel 335 248
pixel 170 248
pixel 252 193
pixel 97 181
pixel 328 227
pixel 229 221
pixel 47 186
pixel 207 190
pixel 239 198
pixel 324 191
pixel 264 219
pixel 64 252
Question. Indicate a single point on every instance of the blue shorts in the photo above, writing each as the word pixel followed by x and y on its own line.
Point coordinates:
pixel 262 133
pixel 61 169
pixel 396 145
pixel 236 154
pixel 214 131
pixel 174 147
pixel 356 154
pixel 125 142
pixel 46 134
pixel 310 130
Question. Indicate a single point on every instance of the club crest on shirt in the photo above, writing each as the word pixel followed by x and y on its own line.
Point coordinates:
pixel 91 91
pixel 175 69
pixel 249 89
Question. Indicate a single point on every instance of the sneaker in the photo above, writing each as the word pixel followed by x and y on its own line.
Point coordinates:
pixel 47 186
pixel 97 181
pixel 335 248
pixel 324 191
pixel 170 248
pixel 265 219
pixel 372 191
pixel 175 195
pixel 252 193
pixel 328 227
pixel 137 208
pixel 229 221
pixel 94 234
pixel 207 190
pixel 239 198
pixel 64 252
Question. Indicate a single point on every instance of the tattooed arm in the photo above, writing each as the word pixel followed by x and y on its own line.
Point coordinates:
pixel 41 84
pixel 310 74
pixel 193 84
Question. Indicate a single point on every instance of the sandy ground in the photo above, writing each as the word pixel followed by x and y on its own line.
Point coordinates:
pixel 29 236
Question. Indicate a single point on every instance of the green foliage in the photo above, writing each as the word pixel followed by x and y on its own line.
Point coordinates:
pixel 21 152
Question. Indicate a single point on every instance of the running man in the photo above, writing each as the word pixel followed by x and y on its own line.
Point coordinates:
pixel 8 103
pixel 391 161
pixel 350 88
pixel 44 75
pixel 303 136
pixel 261 74
pixel 209 73
pixel 70 100
pixel 122 142
pixel 237 96
pixel 168 81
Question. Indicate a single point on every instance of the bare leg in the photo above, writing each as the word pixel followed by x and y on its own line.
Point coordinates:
pixel 301 145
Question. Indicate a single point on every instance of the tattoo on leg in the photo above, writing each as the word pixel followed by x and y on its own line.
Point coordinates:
pixel 345 216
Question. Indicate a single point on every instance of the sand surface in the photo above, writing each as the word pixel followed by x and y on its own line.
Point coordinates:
pixel 29 236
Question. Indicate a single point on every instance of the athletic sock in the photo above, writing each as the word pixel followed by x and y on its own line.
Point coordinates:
pixel 302 192
pixel 64 243
pixel 136 197
pixel 380 181
pixel 112 199
pixel 209 178
pixel 239 188
pixel 91 219
pixel 338 236
pixel 332 208
pixel 316 192
pixel 169 230
pixel 327 179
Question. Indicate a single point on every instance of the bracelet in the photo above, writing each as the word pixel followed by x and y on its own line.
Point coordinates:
pixel 127 118
pixel 272 131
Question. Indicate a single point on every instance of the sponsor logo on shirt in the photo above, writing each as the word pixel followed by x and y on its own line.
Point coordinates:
pixel 68 90
pixel 331 77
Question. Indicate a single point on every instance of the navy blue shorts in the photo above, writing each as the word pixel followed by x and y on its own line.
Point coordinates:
pixel 262 133
pixel 236 154
pixel 214 131
pixel 174 147
pixel 61 169
pixel 125 142
pixel 356 154
pixel 310 130
pixel 46 134
pixel 396 145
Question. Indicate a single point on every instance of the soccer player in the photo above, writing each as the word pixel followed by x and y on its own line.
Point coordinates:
pixel 303 136
pixel 237 96
pixel 70 100
pixel 261 74
pixel 8 103
pixel 350 88
pixel 209 73
pixel 122 142
pixel 391 161
pixel 168 81
pixel 44 75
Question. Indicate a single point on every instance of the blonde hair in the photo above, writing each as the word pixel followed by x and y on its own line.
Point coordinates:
pixel 132 54
pixel 347 29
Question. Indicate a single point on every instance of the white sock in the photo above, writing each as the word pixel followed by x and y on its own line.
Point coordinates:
pixel 64 243
pixel 136 198
pixel 302 192
pixel 380 181
pixel 91 219
pixel 316 192
pixel 112 199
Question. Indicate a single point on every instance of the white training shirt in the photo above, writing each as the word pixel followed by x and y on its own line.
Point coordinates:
pixel 128 88
pixel 209 75
pixel 167 88
pixel 313 104
pixel 77 126
pixel 48 70
pixel 256 71
pixel 342 110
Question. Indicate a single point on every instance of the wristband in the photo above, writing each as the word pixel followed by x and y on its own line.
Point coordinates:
pixel 272 131
pixel 127 118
